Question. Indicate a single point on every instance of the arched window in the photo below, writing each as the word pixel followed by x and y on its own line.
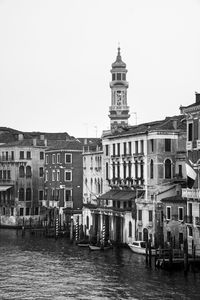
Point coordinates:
pixel 151 169
pixel 28 194
pixel 21 171
pixel 129 169
pixel 21 194
pixel 130 229
pixel 118 169
pixel 168 170
pixel 87 222
pixel 28 171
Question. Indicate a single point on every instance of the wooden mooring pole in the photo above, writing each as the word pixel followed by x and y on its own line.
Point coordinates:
pixel 185 254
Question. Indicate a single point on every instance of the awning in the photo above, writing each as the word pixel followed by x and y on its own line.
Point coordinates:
pixel 4 188
pixel 120 195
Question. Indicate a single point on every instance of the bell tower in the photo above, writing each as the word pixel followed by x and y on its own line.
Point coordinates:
pixel 119 111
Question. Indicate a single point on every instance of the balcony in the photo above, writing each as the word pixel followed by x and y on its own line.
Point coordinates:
pixel 189 145
pixel 197 221
pixel 69 204
pixel 191 193
pixel 50 203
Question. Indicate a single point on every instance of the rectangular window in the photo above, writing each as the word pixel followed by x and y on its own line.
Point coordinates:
pixel 140 215
pixel 142 146
pixel 68 195
pixel 12 211
pixel 36 211
pixel 167 145
pixel 107 150
pixel 9 177
pixel 41 171
pixel 118 149
pixel 68 158
pixel 46 176
pixel 21 154
pixel 136 147
pixel 113 76
pixel 152 145
pixel 168 212
pixel 41 195
pixel 140 236
pixel 190 131
pixel 68 175
pixel 150 215
pixel 12 155
pixel 1 173
pixel 58 158
pixel 180 213
pixel 27 211
pixel 53 158
pixel 6 155
pixel 4 174
pixel 28 154
pixel 180 172
pixel 58 175
pixel 41 155
pixel 53 175
pixel 113 149
pixel 125 148
pixel 47 159
pixel 21 211
pixel 129 148
pixel 106 170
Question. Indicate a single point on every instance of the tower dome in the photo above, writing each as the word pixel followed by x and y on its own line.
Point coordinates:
pixel 118 63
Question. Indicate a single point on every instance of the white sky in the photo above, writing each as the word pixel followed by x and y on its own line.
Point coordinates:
pixel 56 56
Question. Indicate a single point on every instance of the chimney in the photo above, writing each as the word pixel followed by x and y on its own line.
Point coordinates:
pixel 197 97
pixel 20 137
pixel 175 124
pixel 34 142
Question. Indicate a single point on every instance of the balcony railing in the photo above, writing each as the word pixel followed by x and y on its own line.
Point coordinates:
pixel 69 204
pixel 189 145
pixel 197 221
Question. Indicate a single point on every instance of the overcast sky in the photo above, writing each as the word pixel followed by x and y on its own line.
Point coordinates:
pixel 56 56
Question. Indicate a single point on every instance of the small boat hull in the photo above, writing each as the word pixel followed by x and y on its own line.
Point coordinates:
pixel 96 248
pixel 138 247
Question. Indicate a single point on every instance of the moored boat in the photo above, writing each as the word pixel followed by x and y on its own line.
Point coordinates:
pixel 83 243
pixel 99 247
pixel 140 247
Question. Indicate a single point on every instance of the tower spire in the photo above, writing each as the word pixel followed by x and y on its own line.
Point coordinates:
pixel 119 111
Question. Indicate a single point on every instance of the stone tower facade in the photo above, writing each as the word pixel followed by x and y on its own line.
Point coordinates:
pixel 118 111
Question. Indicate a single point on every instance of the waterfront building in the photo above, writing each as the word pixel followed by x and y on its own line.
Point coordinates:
pixel 142 164
pixel 192 195
pixel 174 226
pixel 63 180
pixel 92 179
pixel 21 180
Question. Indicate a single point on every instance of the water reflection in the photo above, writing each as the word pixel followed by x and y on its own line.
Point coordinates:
pixel 39 268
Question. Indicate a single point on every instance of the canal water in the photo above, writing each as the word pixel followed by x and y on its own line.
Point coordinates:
pixel 40 268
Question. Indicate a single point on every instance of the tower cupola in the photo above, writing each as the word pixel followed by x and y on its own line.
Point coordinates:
pixel 119 111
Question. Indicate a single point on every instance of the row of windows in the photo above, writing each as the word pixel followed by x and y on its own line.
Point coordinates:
pixel 150 215
pixel 7 156
pixel 26 194
pixel 27 211
pixel 55 175
pixel 139 147
pixel 118 76
pixel 55 158
pixel 22 211
pixel 127 169
pixel 169 213
pixel 55 194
